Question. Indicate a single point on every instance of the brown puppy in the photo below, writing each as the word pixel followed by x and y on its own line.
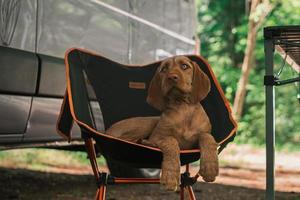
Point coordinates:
pixel 176 89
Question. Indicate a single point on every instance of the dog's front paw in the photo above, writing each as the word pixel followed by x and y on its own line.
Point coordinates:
pixel 170 179
pixel 209 169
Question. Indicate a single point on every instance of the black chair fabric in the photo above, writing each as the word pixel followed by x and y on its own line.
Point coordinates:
pixel 110 82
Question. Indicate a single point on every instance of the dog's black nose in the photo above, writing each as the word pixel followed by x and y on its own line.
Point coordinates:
pixel 173 77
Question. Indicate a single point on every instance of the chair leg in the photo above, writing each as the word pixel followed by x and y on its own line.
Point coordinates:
pixel 191 193
pixel 101 193
pixel 186 184
pixel 181 192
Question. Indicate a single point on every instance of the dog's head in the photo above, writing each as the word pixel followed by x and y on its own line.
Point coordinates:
pixel 178 75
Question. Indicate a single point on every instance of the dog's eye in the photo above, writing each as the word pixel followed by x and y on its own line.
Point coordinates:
pixel 164 69
pixel 184 66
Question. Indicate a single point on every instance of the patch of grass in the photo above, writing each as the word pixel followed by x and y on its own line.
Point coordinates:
pixel 40 159
pixel 2 155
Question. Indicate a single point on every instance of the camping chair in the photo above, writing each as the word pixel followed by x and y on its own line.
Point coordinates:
pixel 121 92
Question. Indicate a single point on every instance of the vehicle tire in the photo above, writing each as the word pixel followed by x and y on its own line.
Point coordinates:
pixel 121 170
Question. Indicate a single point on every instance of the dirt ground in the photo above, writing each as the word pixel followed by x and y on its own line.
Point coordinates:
pixel 242 176
pixel 28 185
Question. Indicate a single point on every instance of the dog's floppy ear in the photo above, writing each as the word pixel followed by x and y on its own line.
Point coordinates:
pixel 200 84
pixel 155 96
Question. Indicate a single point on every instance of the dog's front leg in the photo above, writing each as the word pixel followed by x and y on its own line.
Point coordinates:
pixel 170 175
pixel 209 164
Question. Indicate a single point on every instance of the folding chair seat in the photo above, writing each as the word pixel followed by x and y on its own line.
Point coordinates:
pixel 121 92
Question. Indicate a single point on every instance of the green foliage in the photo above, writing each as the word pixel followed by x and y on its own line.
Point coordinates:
pixel 222 30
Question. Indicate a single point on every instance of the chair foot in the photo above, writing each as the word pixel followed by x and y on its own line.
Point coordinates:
pixel 101 193
pixel 191 193
pixel 187 192
pixel 181 193
pixel 186 184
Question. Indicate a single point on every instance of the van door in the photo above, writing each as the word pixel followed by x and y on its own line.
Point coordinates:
pixel 18 79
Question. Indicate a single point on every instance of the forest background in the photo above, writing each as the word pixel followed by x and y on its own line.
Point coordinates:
pixel 223 30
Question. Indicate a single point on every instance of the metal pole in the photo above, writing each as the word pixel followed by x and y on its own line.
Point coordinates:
pixel 270 122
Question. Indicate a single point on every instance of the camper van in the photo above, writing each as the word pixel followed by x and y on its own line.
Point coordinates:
pixel 35 34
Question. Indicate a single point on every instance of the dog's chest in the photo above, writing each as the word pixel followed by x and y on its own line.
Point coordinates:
pixel 186 128
pixel 187 131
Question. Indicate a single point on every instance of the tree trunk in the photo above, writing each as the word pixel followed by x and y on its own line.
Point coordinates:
pixel 253 25
pixel 246 68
